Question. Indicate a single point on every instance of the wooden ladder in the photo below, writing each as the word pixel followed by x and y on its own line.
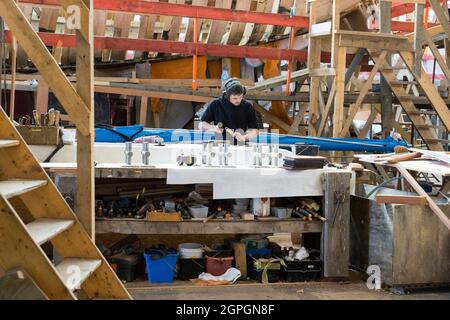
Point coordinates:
pixel 426 131
pixel 32 212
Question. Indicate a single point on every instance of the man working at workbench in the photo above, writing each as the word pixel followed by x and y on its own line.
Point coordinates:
pixel 231 114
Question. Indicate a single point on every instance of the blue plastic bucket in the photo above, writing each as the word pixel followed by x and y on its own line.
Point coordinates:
pixel 160 267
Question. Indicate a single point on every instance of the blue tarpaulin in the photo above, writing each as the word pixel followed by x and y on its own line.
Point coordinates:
pixel 129 133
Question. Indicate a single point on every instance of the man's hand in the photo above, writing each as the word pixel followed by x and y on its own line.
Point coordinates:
pixel 218 130
pixel 239 137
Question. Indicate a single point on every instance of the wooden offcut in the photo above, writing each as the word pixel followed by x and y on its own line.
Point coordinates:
pixel 411 200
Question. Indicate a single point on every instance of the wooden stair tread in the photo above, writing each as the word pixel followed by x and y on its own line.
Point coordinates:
pixel 11 188
pixel 45 229
pixel 8 143
pixel 67 271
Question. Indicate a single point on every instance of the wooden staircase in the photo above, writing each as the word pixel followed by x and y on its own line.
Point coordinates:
pixel 33 212
pixel 418 119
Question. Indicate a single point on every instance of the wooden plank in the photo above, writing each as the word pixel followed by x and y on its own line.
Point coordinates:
pixel 84 268
pixel 8 143
pixel 129 226
pixel 46 64
pixel 12 188
pixel 336 237
pixel 375 41
pixel 398 199
pixel 85 196
pixel 416 186
pixel 368 125
pixel 43 230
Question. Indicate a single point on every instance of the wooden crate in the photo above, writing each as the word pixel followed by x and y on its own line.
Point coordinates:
pixel 164 216
pixel 409 243
pixel 39 135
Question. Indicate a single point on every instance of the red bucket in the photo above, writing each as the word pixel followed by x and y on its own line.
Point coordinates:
pixel 218 266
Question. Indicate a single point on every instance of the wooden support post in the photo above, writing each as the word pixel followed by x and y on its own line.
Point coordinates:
pixel 143 111
pixel 418 38
pixel 12 102
pixel 85 197
pixel 336 230
pixel 240 258
pixel 314 51
pixel 387 116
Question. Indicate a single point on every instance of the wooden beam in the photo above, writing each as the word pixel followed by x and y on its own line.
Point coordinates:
pixel 387 116
pixel 418 38
pixel 85 196
pixel 270 117
pixel 314 49
pixel 400 199
pixel 375 41
pixel 46 64
pixel 364 90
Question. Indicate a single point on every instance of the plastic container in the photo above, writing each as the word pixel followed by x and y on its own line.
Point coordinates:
pixel 281 212
pixel 160 267
pixel 199 211
pixel 259 251
pixel 129 266
pixel 218 266
pixel 305 270
pixel 190 250
pixel 255 270
pixel 190 268
pixel 261 207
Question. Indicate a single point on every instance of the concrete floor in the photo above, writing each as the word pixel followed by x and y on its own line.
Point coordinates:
pixel 183 290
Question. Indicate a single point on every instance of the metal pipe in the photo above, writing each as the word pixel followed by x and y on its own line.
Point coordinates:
pixel 145 154
pixel 128 152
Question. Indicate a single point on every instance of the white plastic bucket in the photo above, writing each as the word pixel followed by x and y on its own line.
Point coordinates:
pixel 190 250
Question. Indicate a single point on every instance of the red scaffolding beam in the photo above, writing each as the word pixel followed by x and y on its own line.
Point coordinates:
pixel 166 46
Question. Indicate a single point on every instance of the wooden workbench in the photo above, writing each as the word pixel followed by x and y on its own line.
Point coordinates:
pixel 335 236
